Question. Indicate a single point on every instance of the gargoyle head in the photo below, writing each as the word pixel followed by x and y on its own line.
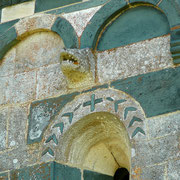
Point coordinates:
pixel 78 66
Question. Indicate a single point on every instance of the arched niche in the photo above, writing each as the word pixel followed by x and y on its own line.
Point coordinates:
pixel 105 122
pixel 34 24
pixel 136 23
pixel 99 142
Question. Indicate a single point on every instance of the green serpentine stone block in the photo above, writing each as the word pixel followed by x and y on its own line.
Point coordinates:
pixel 7 25
pixel 4 3
pixel 7 40
pixel 148 23
pixel 154 2
pixel 172 10
pixel 41 114
pixel 43 5
pixel 54 171
pixel 175 45
pixel 44 171
pixel 90 175
pixel 157 92
pixel 78 7
pixel 4 176
pixel 66 32
pixel 7 37
pixel 96 87
pixel 90 34
pixel 65 172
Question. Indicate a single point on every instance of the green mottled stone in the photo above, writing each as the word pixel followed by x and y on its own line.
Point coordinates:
pixel 177 61
pixel 5 3
pixel 65 172
pixel 4 176
pixel 126 29
pixel 90 175
pixel 78 7
pixel 157 92
pixel 7 36
pixel 43 5
pixel 41 114
pixel 66 32
pixel 90 34
pixel 43 171
pixel 7 40
pixel 154 2
pixel 172 11
pixel 175 45
pixel 96 87
pixel 7 25
pixel 46 171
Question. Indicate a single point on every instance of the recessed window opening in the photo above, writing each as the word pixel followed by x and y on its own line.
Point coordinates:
pixel 121 174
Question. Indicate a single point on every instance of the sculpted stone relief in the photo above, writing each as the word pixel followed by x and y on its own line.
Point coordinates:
pixel 78 66
pixel 106 100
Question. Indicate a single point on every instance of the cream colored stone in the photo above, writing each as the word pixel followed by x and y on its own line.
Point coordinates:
pixel 80 19
pixel 100 159
pixel 18 11
pixel 34 24
pixel 134 59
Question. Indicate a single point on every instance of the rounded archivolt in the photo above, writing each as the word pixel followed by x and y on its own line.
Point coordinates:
pixel 104 120
pixel 114 24
pixel 34 24
pixel 98 141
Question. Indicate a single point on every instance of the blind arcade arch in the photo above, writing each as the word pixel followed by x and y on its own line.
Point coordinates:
pixel 94 122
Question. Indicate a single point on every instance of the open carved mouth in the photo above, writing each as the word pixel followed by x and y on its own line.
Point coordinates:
pixel 66 57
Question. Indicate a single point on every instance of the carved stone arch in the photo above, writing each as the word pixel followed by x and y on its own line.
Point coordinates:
pixel 168 9
pixel 105 110
pixel 38 23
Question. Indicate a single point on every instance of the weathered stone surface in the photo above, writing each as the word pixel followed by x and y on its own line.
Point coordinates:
pixel 173 170
pixel 164 125
pixel 18 158
pixel 17 126
pixel 7 65
pixel 4 176
pixel 80 19
pixel 149 173
pixel 3 127
pixel 41 114
pixel 156 151
pixel 157 92
pixel 4 86
pixel 135 59
pixel 43 171
pixel 34 23
pixel 37 50
pixel 21 87
pixel 78 67
pixel 50 81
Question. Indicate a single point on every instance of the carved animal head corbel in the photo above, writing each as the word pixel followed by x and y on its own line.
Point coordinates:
pixel 78 66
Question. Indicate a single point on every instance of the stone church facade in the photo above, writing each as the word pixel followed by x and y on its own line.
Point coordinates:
pixel 88 88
